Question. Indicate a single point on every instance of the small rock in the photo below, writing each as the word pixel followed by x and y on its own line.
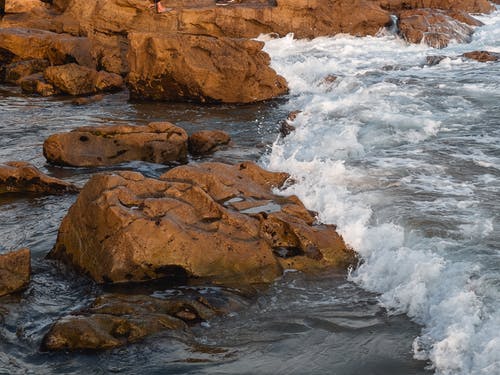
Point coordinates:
pixel 482 56
pixel 285 127
pixel 15 270
pixel 21 177
pixel 434 60
pixel 87 100
pixel 15 71
pixel 36 84
pixel 207 141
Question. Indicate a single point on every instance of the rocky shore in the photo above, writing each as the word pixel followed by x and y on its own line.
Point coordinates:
pixel 215 223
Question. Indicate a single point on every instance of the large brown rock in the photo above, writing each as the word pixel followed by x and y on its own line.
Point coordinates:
pixel 200 68
pixel 15 269
pixel 21 177
pixel 158 142
pixel 433 27
pixel 75 79
pixel 210 220
pixel 482 56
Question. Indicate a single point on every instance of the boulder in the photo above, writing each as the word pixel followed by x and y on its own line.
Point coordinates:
pixel 437 28
pixel 36 84
pixel 158 142
pixel 21 177
pixel 213 221
pixel 16 71
pixel 179 67
pixel 207 141
pixel 75 79
pixel 482 56
pixel 15 269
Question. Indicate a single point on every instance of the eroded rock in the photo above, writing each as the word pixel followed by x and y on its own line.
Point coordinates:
pixel 286 126
pixel 16 71
pixel 207 141
pixel 482 56
pixel 210 220
pixel 35 84
pixel 180 67
pixel 21 177
pixel 158 142
pixel 15 269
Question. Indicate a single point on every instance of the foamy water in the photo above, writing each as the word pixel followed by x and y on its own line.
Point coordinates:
pixel 405 158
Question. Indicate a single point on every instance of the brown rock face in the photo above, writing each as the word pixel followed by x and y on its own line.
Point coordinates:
pixel 469 6
pixel 207 141
pixel 158 142
pixel 15 269
pixel 482 56
pixel 200 68
pixel 434 27
pixel 21 177
pixel 74 79
pixel 211 220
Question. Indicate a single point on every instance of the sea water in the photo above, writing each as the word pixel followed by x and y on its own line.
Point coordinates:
pixel 404 156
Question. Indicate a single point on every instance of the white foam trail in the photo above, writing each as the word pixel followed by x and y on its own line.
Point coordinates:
pixel 361 144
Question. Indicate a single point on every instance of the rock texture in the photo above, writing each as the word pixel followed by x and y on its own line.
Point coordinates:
pixel 21 177
pixel 200 68
pixel 15 269
pixel 76 80
pixel 482 56
pixel 207 141
pixel 36 84
pixel 210 220
pixel 158 142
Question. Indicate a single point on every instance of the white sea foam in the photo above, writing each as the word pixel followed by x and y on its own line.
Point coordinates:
pixel 383 152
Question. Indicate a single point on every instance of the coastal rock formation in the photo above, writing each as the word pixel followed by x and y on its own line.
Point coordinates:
pixel 158 142
pixel 434 27
pixel 12 73
pixel 207 141
pixel 482 56
pixel 15 269
pixel 75 80
pixel 36 84
pixel 200 68
pixel 21 177
pixel 211 220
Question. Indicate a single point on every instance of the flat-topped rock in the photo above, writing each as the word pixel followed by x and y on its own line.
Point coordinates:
pixel 211 220
pixel 158 142
pixel 482 56
pixel 22 177
pixel 207 141
pixel 15 269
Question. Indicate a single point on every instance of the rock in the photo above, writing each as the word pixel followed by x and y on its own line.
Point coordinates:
pixel 207 141
pixel 434 27
pixel 211 220
pixel 15 270
pixel 200 68
pixel 434 60
pixel 21 177
pixel 27 44
pixel 158 142
pixel 482 56
pixel 16 71
pixel 285 125
pixel 115 320
pixel 87 100
pixel 36 84
pixel 469 6
pixel 74 79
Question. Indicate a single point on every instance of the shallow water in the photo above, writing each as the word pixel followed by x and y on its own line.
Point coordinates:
pixel 404 157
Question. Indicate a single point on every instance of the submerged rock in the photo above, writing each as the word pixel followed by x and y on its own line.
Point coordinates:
pixel 211 220
pixel 285 125
pixel 158 142
pixel 482 56
pixel 15 269
pixel 200 68
pixel 207 141
pixel 21 177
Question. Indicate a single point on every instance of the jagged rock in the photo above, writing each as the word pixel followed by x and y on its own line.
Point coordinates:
pixel 285 125
pixel 211 220
pixel 15 269
pixel 200 68
pixel 207 141
pixel 21 177
pixel 74 79
pixel 482 56
pixel 434 27
pixel 158 142
pixel 16 71
pixel 36 84
pixel 434 60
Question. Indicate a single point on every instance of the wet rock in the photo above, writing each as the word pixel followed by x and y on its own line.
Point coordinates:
pixel 210 220
pixel 434 60
pixel 87 100
pixel 21 177
pixel 16 71
pixel 482 56
pixel 433 27
pixel 74 79
pixel 207 141
pixel 285 125
pixel 15 270
pixel 179 67
pixel 158 142
pixel 35 84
